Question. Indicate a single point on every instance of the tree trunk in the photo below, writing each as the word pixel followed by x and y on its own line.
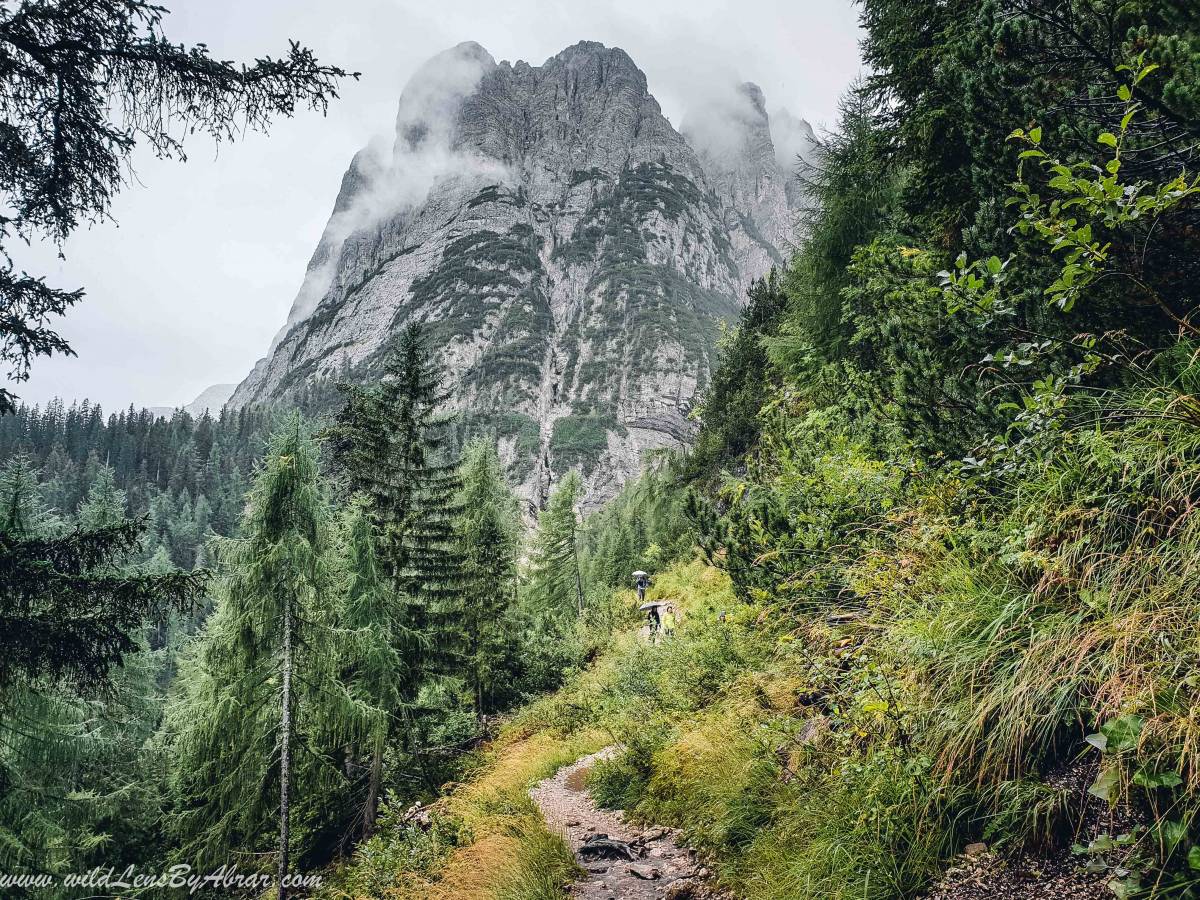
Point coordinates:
pixel 371 811
pixel 285 750
pixel 578 576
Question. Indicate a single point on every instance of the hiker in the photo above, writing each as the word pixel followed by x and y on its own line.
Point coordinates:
pixel 654 615
pixel 641 581
pixel 668 620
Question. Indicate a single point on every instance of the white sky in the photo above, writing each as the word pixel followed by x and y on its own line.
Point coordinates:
pixel 190 287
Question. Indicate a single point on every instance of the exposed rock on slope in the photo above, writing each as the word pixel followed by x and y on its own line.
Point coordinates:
pixel 570 252
pixel 211 400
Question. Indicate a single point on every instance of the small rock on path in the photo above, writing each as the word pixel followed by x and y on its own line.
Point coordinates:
pixel 662 869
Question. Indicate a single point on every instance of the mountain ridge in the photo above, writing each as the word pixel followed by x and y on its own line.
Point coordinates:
pixel 570 253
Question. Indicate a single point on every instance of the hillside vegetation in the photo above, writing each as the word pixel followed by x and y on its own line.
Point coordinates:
pixel 935 553
pixel 937 544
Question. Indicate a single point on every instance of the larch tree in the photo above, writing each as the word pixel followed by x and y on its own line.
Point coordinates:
pixel 557 583
pixel 263 683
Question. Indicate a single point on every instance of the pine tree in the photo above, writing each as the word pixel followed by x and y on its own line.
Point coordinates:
pixel 264 680
pixel 557 580
pixel 487 532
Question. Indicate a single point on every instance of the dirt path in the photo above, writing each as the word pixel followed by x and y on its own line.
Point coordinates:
pixel 661 868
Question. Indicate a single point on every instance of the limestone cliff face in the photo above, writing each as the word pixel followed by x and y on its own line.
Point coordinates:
pixel 569 252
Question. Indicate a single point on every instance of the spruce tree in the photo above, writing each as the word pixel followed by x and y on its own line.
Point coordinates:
pixel 23 512
pixel 78 690
pixel 391 443
pixel 263 683
pixel 105 502
pixel 487 531
pixel 381 649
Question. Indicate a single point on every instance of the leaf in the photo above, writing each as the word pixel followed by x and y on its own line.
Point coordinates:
pixel 1125 888
pixel 1103 786
pixel 1108 139
pixel 1171 833
pixel 1122 733
pixel 1144 72
pixel 1035 134
pixel 1148 778
pixel 1124 92
pixel 1194 858
pixel 1099 741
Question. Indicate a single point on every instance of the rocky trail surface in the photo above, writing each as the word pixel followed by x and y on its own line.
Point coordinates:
pixel 622 861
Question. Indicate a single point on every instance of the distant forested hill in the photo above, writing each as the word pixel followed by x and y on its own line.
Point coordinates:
pixel 188 475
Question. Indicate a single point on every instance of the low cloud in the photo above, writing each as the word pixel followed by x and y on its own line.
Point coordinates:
pixel 393 176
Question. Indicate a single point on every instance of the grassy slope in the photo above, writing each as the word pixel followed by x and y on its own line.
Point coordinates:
pixel 486 840
pixel 709 719
pixel 847 750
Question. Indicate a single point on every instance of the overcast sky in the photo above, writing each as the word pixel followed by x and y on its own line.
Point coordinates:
pixel 191 285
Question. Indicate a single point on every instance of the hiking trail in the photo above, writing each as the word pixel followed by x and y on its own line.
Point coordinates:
pixel 602 841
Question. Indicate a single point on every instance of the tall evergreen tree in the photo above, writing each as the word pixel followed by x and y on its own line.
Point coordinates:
pixel 557 577
pixel 381 650
pixel 263 683
pixel 105 502
pixel 23 512
pixel 487 531
pixel 77 691
pixel 392 444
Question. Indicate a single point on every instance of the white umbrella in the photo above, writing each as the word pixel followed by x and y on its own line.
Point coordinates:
pixel 640 574
pixel 646 606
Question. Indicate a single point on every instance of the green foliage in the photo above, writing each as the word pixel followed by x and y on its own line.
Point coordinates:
pixel 272 631
pixel 80 688
pixel 740 385
pixel 488 533
pixel 643 528
pixel 578 441
pixel 112 79
pixel 556 577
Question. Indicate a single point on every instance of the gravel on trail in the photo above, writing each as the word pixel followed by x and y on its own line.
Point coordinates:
pixel 661 869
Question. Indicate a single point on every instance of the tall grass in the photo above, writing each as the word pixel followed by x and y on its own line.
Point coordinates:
pixel 487 840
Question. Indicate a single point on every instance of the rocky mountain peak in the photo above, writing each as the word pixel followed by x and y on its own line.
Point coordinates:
pixel 731 133
pixel 570 254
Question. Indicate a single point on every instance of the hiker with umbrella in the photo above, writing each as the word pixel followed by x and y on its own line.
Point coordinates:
pixel 653 613
pixel 641 581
